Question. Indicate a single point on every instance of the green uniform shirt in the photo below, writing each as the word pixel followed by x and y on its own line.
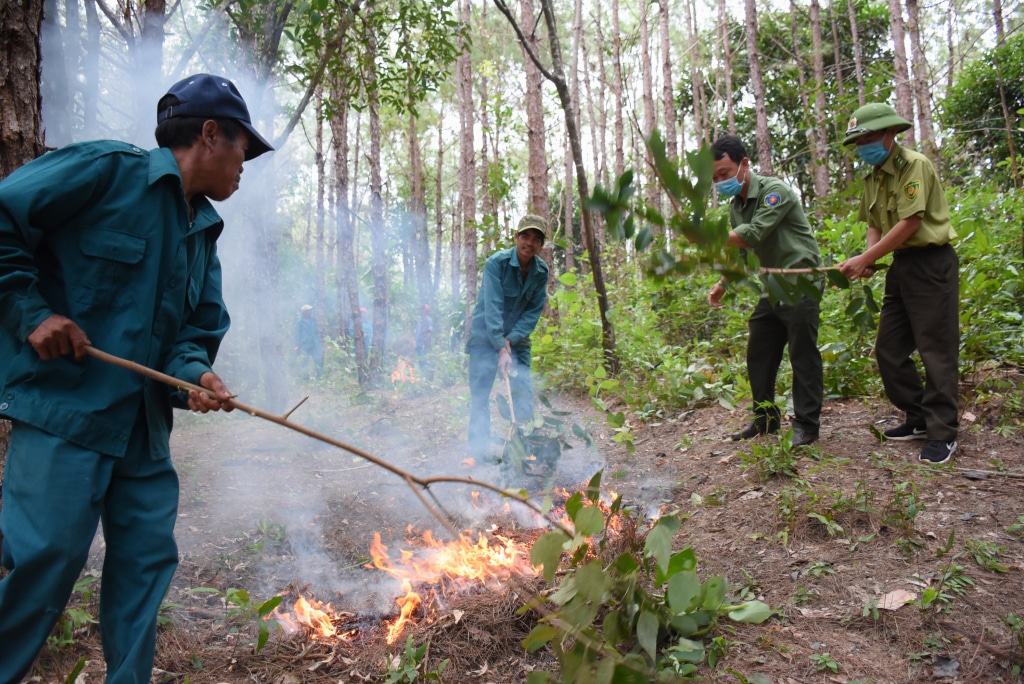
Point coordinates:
pixel 771 221
pixel 99 232
pixel 509 305
pixel 904 185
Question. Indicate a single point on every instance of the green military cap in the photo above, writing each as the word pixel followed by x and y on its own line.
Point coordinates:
pixel 873 117
pixel 532 222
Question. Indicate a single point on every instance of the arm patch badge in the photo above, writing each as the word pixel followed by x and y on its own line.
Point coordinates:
pixel 911 189
pixel 772 199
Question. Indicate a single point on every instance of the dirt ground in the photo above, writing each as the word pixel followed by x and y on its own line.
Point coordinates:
pixel 270 511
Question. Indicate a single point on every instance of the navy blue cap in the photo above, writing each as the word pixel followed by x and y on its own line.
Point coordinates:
pixel 214 97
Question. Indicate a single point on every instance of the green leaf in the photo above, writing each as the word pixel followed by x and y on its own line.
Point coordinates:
pixel 591 581
pixel 688 650
pixel 643 239
pixel 594 486
pixel 573 505
pixel 538 637
pixel 589 521
pixel 714 592
pixel 568 279
pixel 545 506
pixel 838 279
pixel 647 632
pixel 547 551
pixel 752 612
pixel 538 677
pixel 683 592
pixel 680 561
pixel 659 540
pixel 599 372
pixel 612 628
pixel 268 606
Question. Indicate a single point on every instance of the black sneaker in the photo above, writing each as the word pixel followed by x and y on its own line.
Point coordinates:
pixel 906 433
pixel 753 430
pixel 937 452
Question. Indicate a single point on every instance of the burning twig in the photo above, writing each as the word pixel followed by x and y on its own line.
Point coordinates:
pixel 411 480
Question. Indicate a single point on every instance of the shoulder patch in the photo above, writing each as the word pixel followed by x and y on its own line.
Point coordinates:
pixel 772 199
pixel 900 161
pixel 911 189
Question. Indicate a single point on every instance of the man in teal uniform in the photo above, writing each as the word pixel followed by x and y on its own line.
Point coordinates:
pixel 905 208
pixel 511 300
pixel 767 217
pixel 106 244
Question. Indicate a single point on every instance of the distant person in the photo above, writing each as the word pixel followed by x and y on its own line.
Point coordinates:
pixel 307 342
pixel 510 302
pixel 424 340
pixel 905 208
pixel 105 243
pixel 767 217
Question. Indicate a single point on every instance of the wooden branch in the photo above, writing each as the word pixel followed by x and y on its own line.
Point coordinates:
pixel 411 480
pixel 503 8
pixel 794 271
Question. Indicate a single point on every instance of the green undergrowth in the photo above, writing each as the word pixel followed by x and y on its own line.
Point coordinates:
pixel 678 353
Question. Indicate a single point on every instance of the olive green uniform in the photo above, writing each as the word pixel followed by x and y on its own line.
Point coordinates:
pixel 771 221
pixel 920 309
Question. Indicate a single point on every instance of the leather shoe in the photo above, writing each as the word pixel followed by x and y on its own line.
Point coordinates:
pixel 752 430
pixel 802 437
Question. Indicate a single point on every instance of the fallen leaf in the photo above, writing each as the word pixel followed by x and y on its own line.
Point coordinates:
pixel 896 599
pixel 969 417
pixel 945 667
pixel 458 615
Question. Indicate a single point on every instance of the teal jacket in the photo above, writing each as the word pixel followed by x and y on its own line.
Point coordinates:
pixel 508 306
pixel 99 232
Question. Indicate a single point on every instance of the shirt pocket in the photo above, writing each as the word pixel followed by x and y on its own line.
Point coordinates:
pixel 109 264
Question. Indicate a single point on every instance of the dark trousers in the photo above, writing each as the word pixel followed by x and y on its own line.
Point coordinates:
pixel 55 493
pixel 772 327
pixel 921 310
pixel 483 368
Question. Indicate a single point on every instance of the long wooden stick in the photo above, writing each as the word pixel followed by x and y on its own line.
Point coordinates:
pixel 796 271
pixel 410 479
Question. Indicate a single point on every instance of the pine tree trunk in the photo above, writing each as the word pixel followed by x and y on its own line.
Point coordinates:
pixel 696 80
pixel 922 85
pixel 321 218
pixel 858 59
pixel 725 39
pixel 537 161
pixel 848 174
pixel 21 126
pixel 438 204
pixel 378 239
pixel 667 93
pixel 620 99
pixel 764 148
pixel 467 174
pixel 819 151
pixel 418 205
pixel 805 98
pixel 904 94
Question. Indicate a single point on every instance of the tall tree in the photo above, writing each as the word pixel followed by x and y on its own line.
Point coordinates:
pixel 667 94
pixel 922 83
pixel 904 94
pixel 725 40
pixel 321 216
pixel 858 63
pixel 467 170
pixel 620 95
pixel 556 75
pixel 819 154
pixel 763 138
pixel 696 79
pixel 378 234
pixel 21 126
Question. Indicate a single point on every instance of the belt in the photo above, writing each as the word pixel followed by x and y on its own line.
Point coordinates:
pixel 909 251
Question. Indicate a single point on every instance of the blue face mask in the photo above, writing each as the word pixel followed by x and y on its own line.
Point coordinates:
pixel 873 153
pixel 730 187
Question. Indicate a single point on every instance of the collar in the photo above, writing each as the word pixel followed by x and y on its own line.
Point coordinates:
pixel 162 164
pixel 534 267
pixel 889 165
pixel 753 188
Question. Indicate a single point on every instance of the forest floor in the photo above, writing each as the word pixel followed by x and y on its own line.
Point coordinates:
pixel 273 512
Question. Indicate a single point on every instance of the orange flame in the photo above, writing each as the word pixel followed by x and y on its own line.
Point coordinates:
pixel 404 372
pixel 462 561
pixel 312 615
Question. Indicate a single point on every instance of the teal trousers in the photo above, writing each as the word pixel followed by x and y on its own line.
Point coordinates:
pixel 55 494
pixel 483 369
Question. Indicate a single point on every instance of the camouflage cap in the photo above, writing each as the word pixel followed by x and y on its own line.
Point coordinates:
pixel 532 222
pixel 873 117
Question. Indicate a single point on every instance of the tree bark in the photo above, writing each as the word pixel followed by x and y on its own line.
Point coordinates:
pixel 21 127
pixel 819 152
pixel 848 174
pixel 321 219
pixel 858 60
pixel 667 91
pixel 726 40
pixel 556 75
pixel 620 164
pixel 904 94
pixel 438 203
pixel 378 241
pixel 467 175
pixel 922 85
pixel 696 79
pixel 764 147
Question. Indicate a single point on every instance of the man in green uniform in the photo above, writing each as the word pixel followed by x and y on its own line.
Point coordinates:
pixel 103 243
pixel 767 217
pixel 906 212
pixel 511 300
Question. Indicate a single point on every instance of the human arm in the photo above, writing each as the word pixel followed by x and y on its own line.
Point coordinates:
pixel 878 246
pixel 716 294
pixel 492 297
pixel 38 198
pixel 198 401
